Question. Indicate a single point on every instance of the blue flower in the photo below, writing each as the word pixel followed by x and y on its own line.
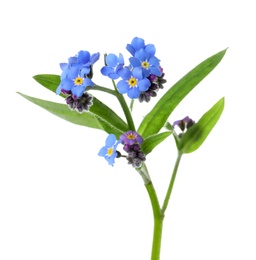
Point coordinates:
pixel 114 66
pixel 133 82
pixel 148 63
pixel 136 44
pixel 83 61
pixel 109 150
pixel 73 82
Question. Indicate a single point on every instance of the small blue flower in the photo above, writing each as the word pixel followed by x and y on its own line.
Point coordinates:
pixel 83 61
pixel 109 150
pixel 114 66
pixel 136 44
pixel 133 82
pixel 73 82
pixel 149 64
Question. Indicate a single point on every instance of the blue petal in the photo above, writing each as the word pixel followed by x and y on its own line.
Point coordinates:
pixel 58 90
pixel 111 60
pixel 142 55
pixel 72 72
pixel 103 151
pixel 83 57
pixel 111 159
pixel 145 72
pixel 95 57
pixel 122 86
pixel 150 48
pixel 85 70
pixel 88 83
pixel 67 84
pixel 125 73
pixel 133 92
pixel 121 59
pixel 144 84
pixel 72 60
pixel 130 48
pixel 63 66
pixel 135 62
pixel 138 43
pixel 154 61
pixel 106 70
pixel 137 73
pixel 155 71
pixel 110 141
pixel 78 91
pixel 113 75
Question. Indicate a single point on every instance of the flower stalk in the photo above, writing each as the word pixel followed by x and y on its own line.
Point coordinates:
pixel 158 222
pixel 158 212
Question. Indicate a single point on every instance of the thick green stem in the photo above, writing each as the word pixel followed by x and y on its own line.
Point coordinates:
pixel 157 214
pixel 169 191
pixel 158 222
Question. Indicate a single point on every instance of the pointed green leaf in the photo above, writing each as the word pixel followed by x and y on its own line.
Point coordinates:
pixel 51 82
pixel 194 137
pixel 157 117
pixel 88 119
pixel 151 142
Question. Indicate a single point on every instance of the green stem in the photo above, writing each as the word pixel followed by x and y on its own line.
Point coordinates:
pixel 157 214
pixel 158 222
pixel 169 191
pixel 127 112
pixel 103 89
pixel 121 100
pixel 125 108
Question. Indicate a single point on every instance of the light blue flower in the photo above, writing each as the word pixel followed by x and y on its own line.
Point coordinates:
pixel 149 64
pixel 73 82
pixel 109 150
pixel 136 44
pixel 114 66
pixel 133 82
pixel 83 61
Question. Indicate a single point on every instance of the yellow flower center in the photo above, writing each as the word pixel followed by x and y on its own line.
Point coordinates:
pixel 145 64
pixel 131 136
pixel 132 82
pixel 79 81
pixel 110 151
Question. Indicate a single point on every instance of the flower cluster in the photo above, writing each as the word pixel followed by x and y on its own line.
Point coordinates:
pixel 75 78
pixel 131 145
pixel 183 124
pixel 143 77
pixel 132 141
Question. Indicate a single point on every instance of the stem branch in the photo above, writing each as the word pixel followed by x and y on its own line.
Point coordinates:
pixel 169 191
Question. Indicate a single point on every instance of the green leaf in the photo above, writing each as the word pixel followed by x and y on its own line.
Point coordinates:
pixel 194 137
pixel 51 82
pixel 108 115
pixel 151 142
pixel 157 117
pixel 88 119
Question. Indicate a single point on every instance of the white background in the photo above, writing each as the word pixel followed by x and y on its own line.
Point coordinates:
pixel 59 200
